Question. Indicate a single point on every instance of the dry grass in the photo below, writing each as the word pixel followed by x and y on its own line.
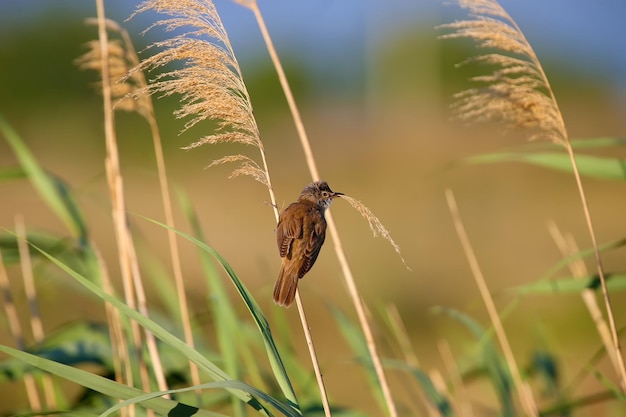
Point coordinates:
pixel 211 87
pixel 209 82
pixel 523 388
pixel 517 92
pixel 121 57
pixel 376 226
pixel 341 256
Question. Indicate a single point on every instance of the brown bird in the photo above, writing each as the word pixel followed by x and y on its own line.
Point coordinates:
pixel 300 234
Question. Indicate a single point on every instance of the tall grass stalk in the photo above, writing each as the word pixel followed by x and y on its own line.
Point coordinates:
pixel 36 323
pixel 17 333
pixel 398 331
pixel 616 351
pixel 568 248
pixel 122 57
pixel 523 389
pixel 461 400
pixel 122 363
pixel 126 58
pixel 518 93
pixel 114 182
pixel 345 267
pixel 223 96
pixel 128 262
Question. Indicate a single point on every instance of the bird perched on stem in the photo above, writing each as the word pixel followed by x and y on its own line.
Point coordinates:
pixel 300 235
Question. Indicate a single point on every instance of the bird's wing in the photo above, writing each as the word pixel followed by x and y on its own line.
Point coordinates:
pixel 312 241
pixel 289 228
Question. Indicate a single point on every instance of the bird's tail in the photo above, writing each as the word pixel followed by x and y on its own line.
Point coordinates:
pixel 285 288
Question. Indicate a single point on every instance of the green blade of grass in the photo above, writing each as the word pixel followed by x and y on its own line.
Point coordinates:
pixel 106 386
pixel 544 366
pixel 542 282
pixel 63 413
pixel 590 166
pixel 298 372
pixel 52 190
pixel 280 372
pixel 238 385
pixel 203 363
pixel 438 400
pixel 12 173
pixel 615 282
pixel 490 358
pixel 229 329
pixel 356 340
pixel 62 248
pixel 599 142
pixel 79 343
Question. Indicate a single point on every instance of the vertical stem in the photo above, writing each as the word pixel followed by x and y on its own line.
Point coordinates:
pixel 18 335
pixel 31 295
pixel 523 390
pixel 169 220
pixel 349 279
pixel 578 269
pixel 303 320
pixel 304 140
pixel 116 189
pixel 313 354
pixel 621 369
pixel 173 245
pixel 113 181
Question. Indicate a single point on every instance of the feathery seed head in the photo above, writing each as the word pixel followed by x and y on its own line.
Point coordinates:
pixel 517 92
pixel 207 77
pixel 121 57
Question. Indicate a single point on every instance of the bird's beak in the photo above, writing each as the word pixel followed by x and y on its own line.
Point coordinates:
pixel 336 194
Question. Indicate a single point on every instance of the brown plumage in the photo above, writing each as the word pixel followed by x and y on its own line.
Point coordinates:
pixel 300 235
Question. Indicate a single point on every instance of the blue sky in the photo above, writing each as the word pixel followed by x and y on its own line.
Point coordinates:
pixel 586 34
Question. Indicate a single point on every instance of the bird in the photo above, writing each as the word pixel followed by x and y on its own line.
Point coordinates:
pixel 300 234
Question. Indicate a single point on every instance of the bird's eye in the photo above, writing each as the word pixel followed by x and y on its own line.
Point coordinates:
pixel 324 193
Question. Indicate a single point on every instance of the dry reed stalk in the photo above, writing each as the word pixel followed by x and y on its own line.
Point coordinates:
pixel 122 365
pixel 400 333
pixel 116 189
pixel 114 180
pixel 567 246
pixel 212 87
pixel 313 354
pixel 18 336
pixel 30 289
pixel 523 390
pixel 461 400
pixel 347 272
pixel 439 383
pixel 122 57
pixel 210 81
pixel 401 336
pixel 519 94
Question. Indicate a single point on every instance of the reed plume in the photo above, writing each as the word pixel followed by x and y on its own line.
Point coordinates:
pixel 121 58
pixel 112 54
pixel 517 91
pixel 375 225
pixel 211 86
pixel 209 80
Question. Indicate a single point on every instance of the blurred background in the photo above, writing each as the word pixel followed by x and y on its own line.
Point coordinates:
pixel 374 85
